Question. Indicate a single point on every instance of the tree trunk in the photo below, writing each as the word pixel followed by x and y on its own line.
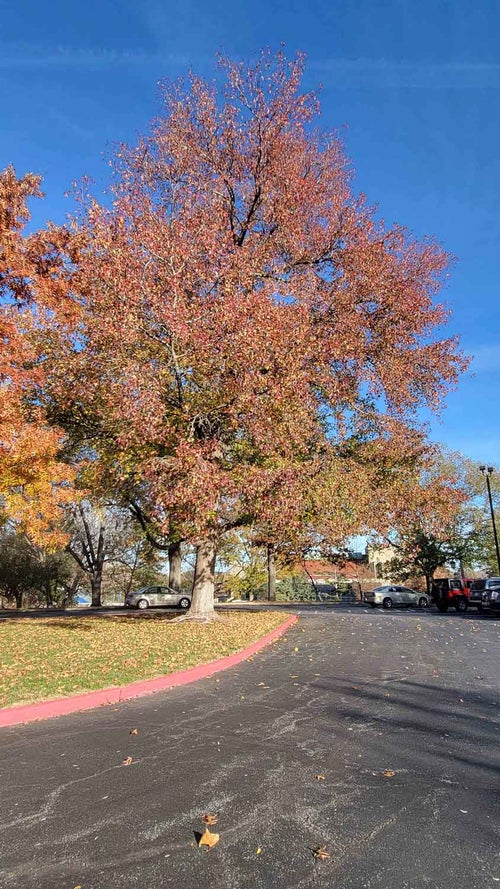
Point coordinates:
pixel 428 583
pixel 271 573
pixel 174 566
pixel 19 598
pixel 96 586
pixel 202 604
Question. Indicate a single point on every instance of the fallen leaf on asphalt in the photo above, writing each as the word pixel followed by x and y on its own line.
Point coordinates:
pixel 208 839
pixel 388 773
pixel 209 819
pixel 295 649
pixel 319 777
pixel 258 851
pixel 464 811
pixel 321 854
pixel 127 761
pixel 134 731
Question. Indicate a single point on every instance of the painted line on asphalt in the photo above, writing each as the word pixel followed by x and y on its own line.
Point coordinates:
pixel 22 713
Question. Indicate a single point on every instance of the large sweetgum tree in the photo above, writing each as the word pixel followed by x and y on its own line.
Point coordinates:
pixel 251 343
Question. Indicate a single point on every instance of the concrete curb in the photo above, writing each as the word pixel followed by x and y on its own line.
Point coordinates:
pixel 22 713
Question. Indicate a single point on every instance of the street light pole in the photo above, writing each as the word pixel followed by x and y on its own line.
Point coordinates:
pixel 487 471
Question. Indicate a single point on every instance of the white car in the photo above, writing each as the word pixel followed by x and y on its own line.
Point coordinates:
pixel 391 595
pixel 157 595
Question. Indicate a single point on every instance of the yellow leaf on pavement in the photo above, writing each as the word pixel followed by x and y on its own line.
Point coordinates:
pixel 208 839
pixel 321 854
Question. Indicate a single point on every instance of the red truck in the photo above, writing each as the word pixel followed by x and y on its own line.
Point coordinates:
pixel 451 591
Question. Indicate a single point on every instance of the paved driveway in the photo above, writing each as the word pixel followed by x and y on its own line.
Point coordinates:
pixel 346 696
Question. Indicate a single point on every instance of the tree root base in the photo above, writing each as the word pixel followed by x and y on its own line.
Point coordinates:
pixel 206 617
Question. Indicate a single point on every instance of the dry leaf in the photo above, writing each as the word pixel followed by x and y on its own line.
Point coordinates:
pixel 134 731
pixel 209 819
pixel 319 777
pixel 127 761
pixel 208 839
pixel 321 854
pixel 388 773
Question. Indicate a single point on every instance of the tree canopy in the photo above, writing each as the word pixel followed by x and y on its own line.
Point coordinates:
pixel 240 340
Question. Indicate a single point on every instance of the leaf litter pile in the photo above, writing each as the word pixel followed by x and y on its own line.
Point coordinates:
pixel 54 657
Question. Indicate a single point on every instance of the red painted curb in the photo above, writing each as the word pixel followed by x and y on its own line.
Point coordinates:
pixel 22 713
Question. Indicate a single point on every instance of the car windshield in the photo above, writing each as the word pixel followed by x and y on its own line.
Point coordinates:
pixel 380 589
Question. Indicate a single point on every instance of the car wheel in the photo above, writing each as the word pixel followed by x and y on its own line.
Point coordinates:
pixel 143 604
pixel 461 604
pixel 387 603
pixel 184 603
pixel 423 602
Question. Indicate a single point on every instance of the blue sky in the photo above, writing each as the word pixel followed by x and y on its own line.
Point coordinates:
pixel 413 86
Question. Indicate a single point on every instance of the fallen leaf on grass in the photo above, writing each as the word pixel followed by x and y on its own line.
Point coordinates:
pixel 208 839
pixel 210 820
pixel 321 854
pixel 388 773
pixel 127 761
pixel 134 731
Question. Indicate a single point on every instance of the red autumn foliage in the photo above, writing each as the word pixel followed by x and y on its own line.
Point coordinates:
pixel 252 343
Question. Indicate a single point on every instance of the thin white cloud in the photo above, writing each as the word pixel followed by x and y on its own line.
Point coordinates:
pixel 380 73
pixel 338 72
pixel 17 56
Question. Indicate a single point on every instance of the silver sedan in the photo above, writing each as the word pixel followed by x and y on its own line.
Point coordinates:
pixel 157 595
pixel 391 595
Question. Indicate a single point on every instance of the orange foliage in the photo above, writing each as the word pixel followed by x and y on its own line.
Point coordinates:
pixel 33 480
pixel 253 344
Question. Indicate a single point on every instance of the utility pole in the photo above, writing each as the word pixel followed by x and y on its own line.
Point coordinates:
pixel 487 471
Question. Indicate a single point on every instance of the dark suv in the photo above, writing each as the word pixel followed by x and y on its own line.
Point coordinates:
pixel 485 594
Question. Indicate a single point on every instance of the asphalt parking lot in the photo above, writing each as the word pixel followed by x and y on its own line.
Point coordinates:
pixel 372 734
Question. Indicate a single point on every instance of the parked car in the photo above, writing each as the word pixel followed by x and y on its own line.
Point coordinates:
pixel 485 594
pixel 157 595
pixel 391 595
pixel 451 591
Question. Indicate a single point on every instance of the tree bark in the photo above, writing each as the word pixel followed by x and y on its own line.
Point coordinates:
pixel 202 603
pixel 271 573
pixel 96 587
pixel 19 598
pixel 98 565
pixel 174 566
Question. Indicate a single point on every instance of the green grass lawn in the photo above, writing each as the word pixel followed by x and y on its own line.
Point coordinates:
pixel 53 657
